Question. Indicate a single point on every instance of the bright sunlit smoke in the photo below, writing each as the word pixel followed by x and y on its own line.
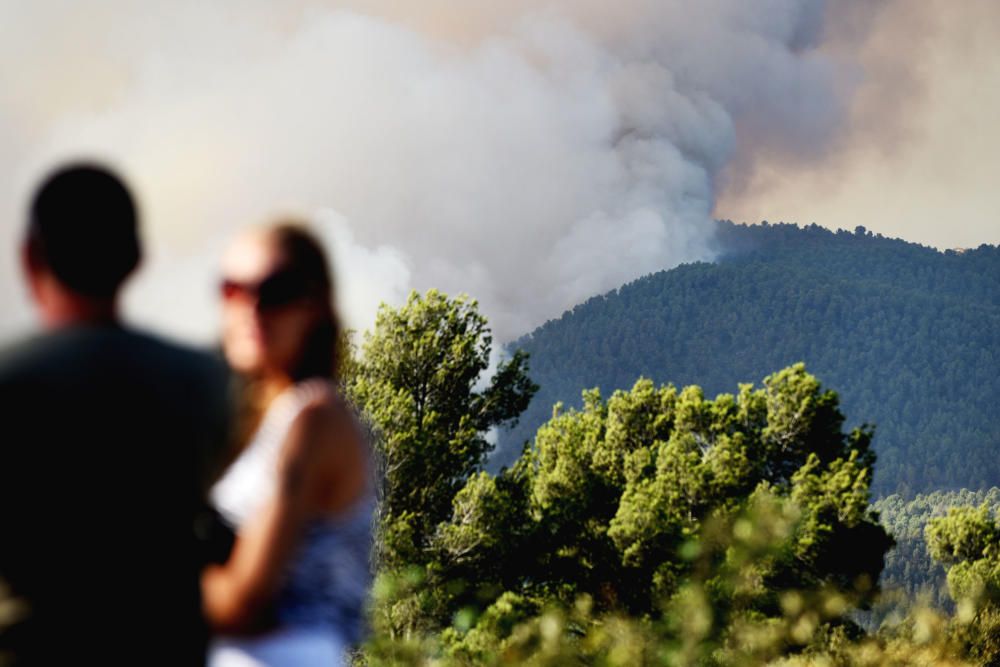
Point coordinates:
pixel 529 153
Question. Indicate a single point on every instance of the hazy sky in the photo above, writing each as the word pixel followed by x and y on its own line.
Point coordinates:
pixel 531 153
pixel 920 158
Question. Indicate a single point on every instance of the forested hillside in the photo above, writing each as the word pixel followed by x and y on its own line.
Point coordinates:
pixel 908 336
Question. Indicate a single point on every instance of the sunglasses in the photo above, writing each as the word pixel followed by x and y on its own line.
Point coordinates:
pixel 281 288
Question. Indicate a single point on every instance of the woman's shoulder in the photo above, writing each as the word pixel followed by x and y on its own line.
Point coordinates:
pixel 315 390
pixel 324 443
pixel 324 417
pixel 322 404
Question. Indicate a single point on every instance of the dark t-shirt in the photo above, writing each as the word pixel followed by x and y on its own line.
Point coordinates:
pixel 108 440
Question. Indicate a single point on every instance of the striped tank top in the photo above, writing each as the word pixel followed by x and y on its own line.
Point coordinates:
pixel 327 581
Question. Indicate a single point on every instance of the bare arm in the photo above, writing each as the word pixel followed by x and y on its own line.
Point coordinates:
pixel 235 594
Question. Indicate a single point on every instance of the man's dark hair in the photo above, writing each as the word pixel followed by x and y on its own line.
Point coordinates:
pixel 82 226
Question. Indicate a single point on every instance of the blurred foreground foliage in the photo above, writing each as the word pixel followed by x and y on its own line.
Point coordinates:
pixel 653 527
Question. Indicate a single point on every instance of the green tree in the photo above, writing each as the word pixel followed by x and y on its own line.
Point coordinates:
pixel 968 541
pixel 417 383
pixel 619 504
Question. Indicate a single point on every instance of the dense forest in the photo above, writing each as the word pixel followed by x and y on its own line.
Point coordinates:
pixel 908 336
pixel 651 526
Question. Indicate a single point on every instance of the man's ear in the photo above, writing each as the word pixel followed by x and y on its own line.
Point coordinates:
pixel 31 255
pixel 33 265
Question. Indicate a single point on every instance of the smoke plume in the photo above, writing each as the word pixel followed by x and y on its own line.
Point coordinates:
pixel 922 152
pixel 529 153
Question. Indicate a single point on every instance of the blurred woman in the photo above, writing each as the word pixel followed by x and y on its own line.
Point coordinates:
pixel 298 494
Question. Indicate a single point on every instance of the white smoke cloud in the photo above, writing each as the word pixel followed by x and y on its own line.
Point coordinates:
pixel 530 154
pixel 366 277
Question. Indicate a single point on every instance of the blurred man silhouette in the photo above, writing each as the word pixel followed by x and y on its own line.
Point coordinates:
pixel 109 438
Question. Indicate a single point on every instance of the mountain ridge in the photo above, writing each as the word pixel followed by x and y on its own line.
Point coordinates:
pixel 906 334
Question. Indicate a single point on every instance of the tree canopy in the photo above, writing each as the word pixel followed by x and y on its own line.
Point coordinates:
pixel 967 540
pixel 417 384
pixel 618 506
pixel 652 526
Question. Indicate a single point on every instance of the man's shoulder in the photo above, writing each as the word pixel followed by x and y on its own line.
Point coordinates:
pixel 196 368
pixel 23 356
pixel 156 344
pixel 64 349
